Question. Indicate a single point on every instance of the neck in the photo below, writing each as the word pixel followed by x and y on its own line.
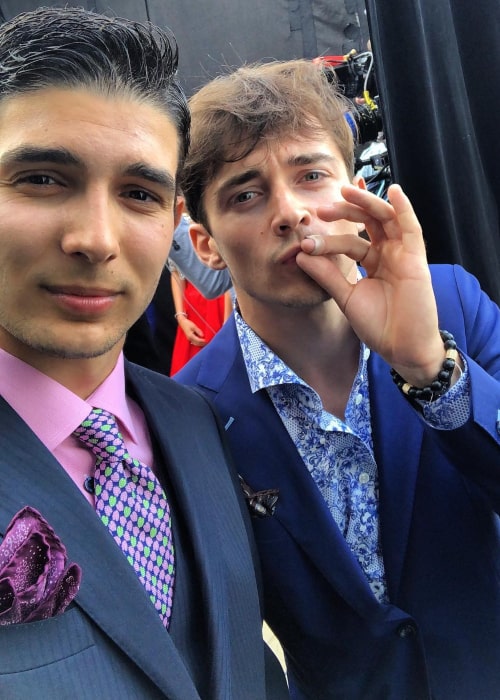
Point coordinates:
pixel 318 344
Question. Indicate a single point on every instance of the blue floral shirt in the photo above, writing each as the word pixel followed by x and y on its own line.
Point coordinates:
pixel 339 454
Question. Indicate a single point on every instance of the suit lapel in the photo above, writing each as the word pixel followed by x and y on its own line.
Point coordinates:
pixel 396 431
pixel 275 463
pixel 31 476
pixel 184 446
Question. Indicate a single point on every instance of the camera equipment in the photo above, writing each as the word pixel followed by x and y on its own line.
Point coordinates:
pixel 355 76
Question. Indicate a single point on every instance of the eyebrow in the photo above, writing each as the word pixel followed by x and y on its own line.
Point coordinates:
pixel 37 154
pixel 157 176
pixel 61 156
pixel 311 158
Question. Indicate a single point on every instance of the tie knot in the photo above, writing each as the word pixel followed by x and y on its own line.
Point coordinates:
pixel 99 432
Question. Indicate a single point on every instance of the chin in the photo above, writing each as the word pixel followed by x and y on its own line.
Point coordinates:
pixel 67 352
pixel 306 300
pixel 304 295
pixel 80 346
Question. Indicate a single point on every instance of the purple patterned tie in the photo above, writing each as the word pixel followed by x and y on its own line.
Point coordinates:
pixel 132 504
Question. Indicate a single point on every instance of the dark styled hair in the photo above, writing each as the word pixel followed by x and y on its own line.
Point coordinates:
pixel 72 48
pixel 233 113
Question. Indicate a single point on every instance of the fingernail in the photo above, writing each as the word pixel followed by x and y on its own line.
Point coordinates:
pixel 318 244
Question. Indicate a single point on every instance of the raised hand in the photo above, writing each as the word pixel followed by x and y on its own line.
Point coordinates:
pixel 392 309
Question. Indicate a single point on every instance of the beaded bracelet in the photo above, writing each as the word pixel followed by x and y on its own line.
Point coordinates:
pixel 441 384
pixel 181 313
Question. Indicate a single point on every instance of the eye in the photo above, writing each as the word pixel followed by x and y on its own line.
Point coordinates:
pixel 142 196
pixel 37 179
pixel 245 197
pixel 313 176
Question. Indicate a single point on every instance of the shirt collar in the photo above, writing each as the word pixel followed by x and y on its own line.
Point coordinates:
pixel 266 369
pixel 51 410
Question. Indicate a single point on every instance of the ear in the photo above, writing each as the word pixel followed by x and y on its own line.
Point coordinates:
pixel 205 247
pixel 178 209
pixel 359 181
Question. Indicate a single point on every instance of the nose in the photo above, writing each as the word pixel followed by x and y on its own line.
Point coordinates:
pixel 289 211
pixel 91 229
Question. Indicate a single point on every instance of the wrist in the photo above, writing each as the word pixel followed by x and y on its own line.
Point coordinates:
pixel 448 374
pixel 424 363
pixel 180 314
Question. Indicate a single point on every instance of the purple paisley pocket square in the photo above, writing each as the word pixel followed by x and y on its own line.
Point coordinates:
pixel 36 581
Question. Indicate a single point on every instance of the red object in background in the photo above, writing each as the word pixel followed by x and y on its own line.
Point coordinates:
pixel 208 314
pixel 330 60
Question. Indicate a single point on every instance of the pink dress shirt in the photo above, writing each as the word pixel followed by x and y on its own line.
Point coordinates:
pixel 53 413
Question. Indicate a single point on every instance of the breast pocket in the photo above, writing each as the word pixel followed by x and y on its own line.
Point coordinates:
pixel 68 658
pixel 46 659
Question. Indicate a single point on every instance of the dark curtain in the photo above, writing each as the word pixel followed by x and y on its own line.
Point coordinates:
pixel 438 71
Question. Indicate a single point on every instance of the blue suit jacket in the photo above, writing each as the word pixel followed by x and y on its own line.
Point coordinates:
pixel 110 643
pixel 439 499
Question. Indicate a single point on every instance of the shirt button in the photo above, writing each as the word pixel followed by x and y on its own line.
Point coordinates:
pixel 406 629
pixel 364 478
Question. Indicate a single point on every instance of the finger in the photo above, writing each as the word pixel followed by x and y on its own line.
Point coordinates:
pixel 378 229
pixel 394 219
pixel 396 216
pixel 363 201
pixel 410 226
pixel 328 275
pixel 377 215
pixel 353 246
pixel 344 211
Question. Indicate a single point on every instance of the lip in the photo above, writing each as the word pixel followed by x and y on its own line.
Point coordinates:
pixel 289 256
pixel 83 300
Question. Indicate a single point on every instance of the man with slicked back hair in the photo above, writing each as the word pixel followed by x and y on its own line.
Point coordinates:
pixel 127 564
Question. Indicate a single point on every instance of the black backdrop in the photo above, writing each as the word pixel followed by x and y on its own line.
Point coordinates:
pixel 437 65
pixel 438 74
pixel 215 33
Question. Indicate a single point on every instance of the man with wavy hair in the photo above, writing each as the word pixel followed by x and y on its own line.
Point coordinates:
pixel 380 555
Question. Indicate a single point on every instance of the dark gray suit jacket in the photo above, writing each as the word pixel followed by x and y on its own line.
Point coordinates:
pixel 110 643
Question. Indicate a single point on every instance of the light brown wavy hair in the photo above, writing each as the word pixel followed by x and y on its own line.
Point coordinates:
pixel 235 112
